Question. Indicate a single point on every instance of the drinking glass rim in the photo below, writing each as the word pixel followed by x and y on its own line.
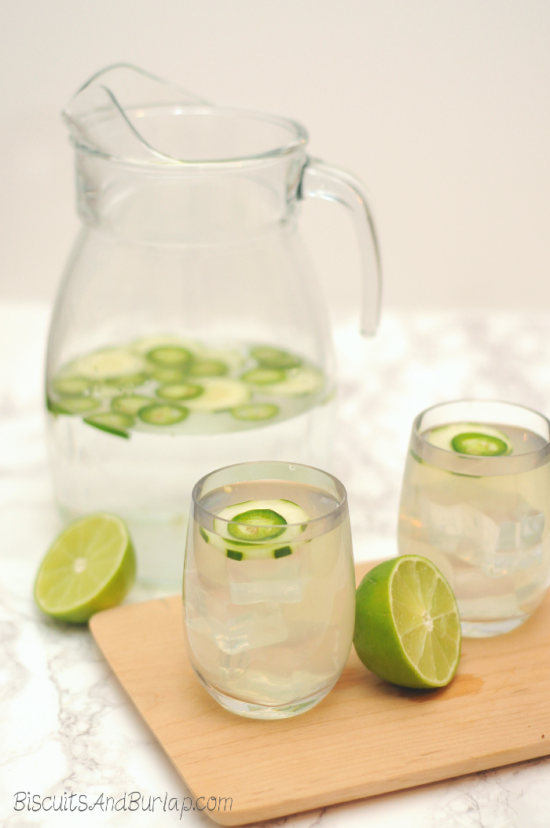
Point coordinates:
pixel 333 513
pixel 486 466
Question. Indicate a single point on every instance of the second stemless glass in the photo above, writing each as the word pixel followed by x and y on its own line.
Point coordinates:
pixel 483 520
pixel 269 628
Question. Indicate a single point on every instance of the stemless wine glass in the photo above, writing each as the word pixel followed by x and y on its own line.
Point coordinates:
pixel 476 502
pixel 269 587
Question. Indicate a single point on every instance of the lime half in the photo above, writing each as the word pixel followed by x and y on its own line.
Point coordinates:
pixel 90 567
pixel 407 626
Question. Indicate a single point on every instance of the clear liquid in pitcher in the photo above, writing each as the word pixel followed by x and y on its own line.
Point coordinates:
pixel 136 425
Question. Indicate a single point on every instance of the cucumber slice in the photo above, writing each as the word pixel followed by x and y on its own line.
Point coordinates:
pixel 255 411
pixel 130 403
pixel 263 376
pixel 112 423
pixel 444 437
pixel 76 405
pixel 179 391
pixel 208 368
pixel 246 551
pixel 478 444
pixel 111 363
pixel 170 356
pixel 168 376
pixel 257 525
pixel 147 343
pixel 71 386
pixel 269 357
pixel 163 415
pixel 293 514
pixel 231 356
pixel 299 382
pixel 105 391
pixel 126 383
pixel 219 395
pixel 236 527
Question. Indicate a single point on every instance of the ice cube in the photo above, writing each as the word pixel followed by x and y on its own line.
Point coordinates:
pixel 233 631
pixel 501 534
pixel 443 521
pixel 251 630
pixel 498 531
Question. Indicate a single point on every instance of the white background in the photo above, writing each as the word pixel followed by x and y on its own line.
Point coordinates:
pixel 442 108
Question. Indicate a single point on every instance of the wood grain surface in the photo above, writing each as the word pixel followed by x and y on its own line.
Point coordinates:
pixel 367 737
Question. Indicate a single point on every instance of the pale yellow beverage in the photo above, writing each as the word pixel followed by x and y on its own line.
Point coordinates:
pixel 476 502
pixel 269 589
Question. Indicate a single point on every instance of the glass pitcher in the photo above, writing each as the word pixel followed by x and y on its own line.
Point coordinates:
pixel 189 331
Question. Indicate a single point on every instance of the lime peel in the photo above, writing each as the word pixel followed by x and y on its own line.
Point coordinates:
pixel 90 566
pixel 407 628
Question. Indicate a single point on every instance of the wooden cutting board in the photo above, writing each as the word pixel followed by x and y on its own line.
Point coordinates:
pixel 367 737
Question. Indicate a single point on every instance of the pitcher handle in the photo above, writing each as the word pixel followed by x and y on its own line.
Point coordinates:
pixel 320 180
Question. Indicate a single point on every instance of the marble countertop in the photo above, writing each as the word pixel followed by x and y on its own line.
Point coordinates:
pixel 66 727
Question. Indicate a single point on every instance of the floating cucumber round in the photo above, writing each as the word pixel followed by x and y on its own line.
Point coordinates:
pixel 255 411
pixel 207 368
pixel 109 364
pixel 148 343
pixel 71 386
pixel 106 390
pixel 111 422
pixel 298 382
pixel 269 357
pixel 220 394
pixel 179 391
pixel 258 529
pixel 128 382
pixel 130 403
pixel 454 437
pixel 231 356
pixel 169 376
pixel 246 551
pixel 162 415
pixel 170 356
pixel 263 376
pixel 76 405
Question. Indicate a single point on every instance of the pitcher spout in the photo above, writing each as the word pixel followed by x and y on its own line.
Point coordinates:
pixel 107 114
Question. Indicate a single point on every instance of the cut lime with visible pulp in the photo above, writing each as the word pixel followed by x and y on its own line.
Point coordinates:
pixel 90 567
pixel 407 626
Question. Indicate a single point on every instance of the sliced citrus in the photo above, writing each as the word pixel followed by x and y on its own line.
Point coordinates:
pixel 407 626
pixel 90 567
